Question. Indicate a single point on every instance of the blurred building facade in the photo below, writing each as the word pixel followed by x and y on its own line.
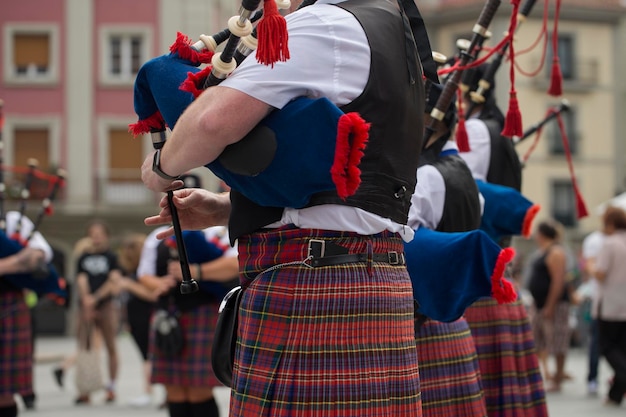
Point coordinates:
pixel 592 42
pixel 67 69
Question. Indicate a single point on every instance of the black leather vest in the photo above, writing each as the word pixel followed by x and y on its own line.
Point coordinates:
pixel 392 104
pixel 504 164
pixel 461 210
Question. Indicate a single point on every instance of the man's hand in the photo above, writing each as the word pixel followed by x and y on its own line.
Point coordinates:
pixel 154 182
pixel 197 210
pixel 29 260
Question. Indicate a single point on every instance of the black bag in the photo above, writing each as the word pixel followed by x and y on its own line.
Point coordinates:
pixel 168 333
pixel 225 340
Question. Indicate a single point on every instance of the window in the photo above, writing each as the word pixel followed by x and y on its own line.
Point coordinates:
pixel 120 156
pixel 32 143
pixel 30 54
pixel 29 143
pixel 124 50
pixel 566 56
pixel 125 156
pixel 563 202
pixel 555 137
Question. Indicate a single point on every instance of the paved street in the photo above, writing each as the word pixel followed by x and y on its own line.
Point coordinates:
pixel 56 402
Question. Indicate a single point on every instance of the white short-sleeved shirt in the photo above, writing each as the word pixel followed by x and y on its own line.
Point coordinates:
pixel 329 57
pixel 592 244
pixel 147 263
pixel 428 201
pixel 611 293
pixel 479 156
pixel 35 242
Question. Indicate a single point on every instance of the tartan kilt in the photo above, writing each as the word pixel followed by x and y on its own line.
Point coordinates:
pixel 193 366
pixel 509 367
pixel 449 373
pixel 16 349
pixel 326 341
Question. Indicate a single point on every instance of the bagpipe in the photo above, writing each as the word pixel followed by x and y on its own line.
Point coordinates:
pixel 13 239
pixel 449 271
pixel 506 212
pixel 201 250
pixel 312 137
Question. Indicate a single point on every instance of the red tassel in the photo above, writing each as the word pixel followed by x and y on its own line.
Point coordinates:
pixel 527 225
pixel 272 36
pixel 502 289
pixel 581 207
pixel 194 83
pixel 182 46
pixel 556 79
pixel 48 211
pixel 513 121
pixel 462 139
pixel 155 121
pixel 352 136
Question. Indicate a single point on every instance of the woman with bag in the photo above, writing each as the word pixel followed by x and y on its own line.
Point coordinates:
pixel 97 277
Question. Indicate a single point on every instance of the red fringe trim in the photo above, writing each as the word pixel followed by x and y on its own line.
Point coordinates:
pixel 529 218
pixel 182 46
pixel 502 289
pixel 272 36
pixel 194 83
pixel 513 122
pixel 352 136
pixel 155 121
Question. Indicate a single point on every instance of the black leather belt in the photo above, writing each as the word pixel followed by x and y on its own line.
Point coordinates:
pixel 327 253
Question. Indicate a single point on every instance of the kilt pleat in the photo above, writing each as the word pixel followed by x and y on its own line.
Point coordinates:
pixel 330 341
pixel 449 372
pixel 16 349
pixel 193 366
pixel 509 367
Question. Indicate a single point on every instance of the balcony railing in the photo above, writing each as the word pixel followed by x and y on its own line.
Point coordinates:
pixel 122 187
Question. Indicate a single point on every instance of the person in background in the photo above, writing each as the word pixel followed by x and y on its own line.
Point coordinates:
pixel 16 355
pixel 548 287
pixel 139 307
pixel 587 291
pixel 610 301
pixel 97 273
pixel 188 377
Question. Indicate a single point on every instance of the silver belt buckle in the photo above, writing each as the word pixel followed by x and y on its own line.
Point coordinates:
pixel 317 248
pixel 394 259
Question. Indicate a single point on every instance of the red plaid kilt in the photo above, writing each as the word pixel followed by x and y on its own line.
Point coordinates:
pixel 449 374
pixel 16 349
pixel 193 366
pixel 509 367
pixel 326 341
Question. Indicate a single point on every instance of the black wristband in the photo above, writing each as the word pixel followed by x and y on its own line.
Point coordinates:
pixel 156 167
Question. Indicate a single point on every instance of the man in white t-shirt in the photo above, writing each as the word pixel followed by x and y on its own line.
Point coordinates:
pixel 325 283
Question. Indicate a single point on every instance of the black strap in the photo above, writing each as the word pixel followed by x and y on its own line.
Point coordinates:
pixel 412 52
pixel 327 253
pixel 391 258
pixel 421 39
